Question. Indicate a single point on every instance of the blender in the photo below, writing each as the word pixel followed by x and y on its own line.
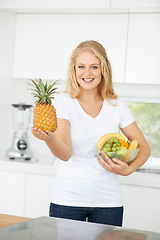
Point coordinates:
pixel 20 148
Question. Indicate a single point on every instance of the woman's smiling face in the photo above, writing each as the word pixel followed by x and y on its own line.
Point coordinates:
pixel 88 70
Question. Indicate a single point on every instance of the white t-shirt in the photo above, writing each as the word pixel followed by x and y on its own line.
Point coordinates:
pixel 82 181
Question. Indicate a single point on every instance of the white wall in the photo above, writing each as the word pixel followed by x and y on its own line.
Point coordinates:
pixel 7 31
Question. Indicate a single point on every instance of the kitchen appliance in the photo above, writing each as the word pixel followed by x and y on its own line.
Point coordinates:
pixel 20 145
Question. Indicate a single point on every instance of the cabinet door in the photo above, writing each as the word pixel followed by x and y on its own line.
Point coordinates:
pixel 38 195
pixel 47 55
pixel 60 4
pixel 135 4
pixel 143 54
pixel 141 208
pixel 12 193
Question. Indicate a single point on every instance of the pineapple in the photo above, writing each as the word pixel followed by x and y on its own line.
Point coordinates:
pixel 44 113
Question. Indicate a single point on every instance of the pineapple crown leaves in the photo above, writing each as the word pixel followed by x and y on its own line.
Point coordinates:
pixel 43 91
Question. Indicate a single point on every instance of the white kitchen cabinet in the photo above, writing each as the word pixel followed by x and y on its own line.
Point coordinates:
pixel 44 42
pixel 135 3
pixel 143 52
pixel 141 209
pixel 26 187
pixel 47 4
pixel 26 190
pixel 38 195
pixel 12 193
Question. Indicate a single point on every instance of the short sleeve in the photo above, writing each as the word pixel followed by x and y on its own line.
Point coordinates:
pixel 62 107
pixel 126 116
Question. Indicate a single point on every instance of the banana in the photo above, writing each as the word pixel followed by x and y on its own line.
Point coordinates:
pixel 133 144
pixel 101 142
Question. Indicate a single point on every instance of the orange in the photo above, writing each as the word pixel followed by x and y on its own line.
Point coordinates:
pixel 124 144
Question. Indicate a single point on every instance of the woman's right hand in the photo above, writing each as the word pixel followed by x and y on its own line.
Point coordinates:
pixel 42 135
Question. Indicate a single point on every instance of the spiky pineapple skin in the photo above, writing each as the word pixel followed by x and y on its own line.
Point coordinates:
pixel 44 117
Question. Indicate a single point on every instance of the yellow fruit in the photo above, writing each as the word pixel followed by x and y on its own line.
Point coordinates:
pixel 101 142
pixel 133 144
pixel 44 117
pixel 44 114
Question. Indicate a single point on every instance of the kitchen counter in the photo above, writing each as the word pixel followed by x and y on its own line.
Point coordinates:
pixel 40 166
pixel 49 167
pixel 7 220
pixel 62 229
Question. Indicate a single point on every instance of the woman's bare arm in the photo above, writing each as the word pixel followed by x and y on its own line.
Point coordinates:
pixel 58 142
pixel 133 132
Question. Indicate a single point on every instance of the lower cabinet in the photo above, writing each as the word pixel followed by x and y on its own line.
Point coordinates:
pixel 141 208
pixel 38 195
pixel 29 195
pixel 24 194
pixel 12 193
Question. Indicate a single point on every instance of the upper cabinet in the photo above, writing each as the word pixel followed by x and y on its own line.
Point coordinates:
pixel 135 3
pixel 48 31
pixel 83 4
pixel 47 4
pixel 44 42
pixel 143 52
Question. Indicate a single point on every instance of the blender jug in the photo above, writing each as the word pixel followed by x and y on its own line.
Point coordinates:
pixel 20 145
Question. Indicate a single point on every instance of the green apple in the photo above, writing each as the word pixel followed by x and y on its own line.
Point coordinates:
pixel 111 154
pixel 122 152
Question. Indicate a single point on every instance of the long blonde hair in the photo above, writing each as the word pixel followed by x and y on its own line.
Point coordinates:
pixel 105 88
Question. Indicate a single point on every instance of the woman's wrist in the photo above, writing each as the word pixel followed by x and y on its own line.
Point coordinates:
pixel 50 138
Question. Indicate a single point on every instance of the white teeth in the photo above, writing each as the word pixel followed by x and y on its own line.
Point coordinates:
pixel 87 79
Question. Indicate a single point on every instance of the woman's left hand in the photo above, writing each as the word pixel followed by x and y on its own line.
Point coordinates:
pixel 115 165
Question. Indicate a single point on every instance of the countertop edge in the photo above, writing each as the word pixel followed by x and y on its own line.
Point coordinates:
pixel 142 179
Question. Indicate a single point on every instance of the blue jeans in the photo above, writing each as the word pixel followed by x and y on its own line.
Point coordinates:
pixel 103 215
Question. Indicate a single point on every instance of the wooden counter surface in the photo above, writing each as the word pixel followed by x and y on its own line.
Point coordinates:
pixel 7 220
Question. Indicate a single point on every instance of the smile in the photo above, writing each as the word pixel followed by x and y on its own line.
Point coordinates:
pixel 87 79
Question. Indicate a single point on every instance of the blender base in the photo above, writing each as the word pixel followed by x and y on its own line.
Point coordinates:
pixel 27 159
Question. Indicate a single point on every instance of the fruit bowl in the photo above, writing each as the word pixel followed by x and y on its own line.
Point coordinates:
pixel 116 146
pixel 128 158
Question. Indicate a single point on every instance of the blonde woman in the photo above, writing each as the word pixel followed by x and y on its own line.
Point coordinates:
pixel 87 187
